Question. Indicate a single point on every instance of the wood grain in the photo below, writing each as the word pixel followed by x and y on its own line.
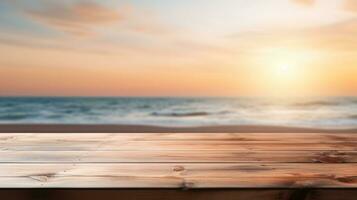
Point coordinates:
pixel 182 156
pixel 178 175
pixel 178 160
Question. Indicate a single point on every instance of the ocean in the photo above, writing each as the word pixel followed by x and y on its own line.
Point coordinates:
pixel 323 112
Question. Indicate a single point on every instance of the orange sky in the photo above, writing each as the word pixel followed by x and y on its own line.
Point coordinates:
pixel 178 48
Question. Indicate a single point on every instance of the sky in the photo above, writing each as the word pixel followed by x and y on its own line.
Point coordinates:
pixel 178 48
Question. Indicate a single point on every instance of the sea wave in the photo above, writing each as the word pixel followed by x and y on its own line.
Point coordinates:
pixel 16 116
pixel 175 114
pixel 143 106
pixel 317 103
pixel 314 112
pixel 353 116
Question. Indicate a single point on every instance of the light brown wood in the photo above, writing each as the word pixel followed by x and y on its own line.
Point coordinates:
pixel 178 175
pixel 182 156
pixel 181 145
pixel 178 160
pixel 178 141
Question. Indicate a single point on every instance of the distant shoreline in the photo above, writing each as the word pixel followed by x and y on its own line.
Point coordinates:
pixel 79 128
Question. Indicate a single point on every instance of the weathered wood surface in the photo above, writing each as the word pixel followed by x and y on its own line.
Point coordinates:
pixel 182 156
pixel 178 160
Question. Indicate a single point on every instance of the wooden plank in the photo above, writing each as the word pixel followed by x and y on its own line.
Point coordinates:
pixel 177 141
pixel 178 175
pixel 217 156
pixel 226 145
pixel 178 145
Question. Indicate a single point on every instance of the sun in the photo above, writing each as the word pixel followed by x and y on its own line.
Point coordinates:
pixel 286 70
pixel 284 62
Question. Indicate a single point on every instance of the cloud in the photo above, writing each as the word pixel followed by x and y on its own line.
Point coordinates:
pixel 47 45
pixel 351 5
pixel 87 17
pixel 304 2
pixel 79 18
pixel 338 36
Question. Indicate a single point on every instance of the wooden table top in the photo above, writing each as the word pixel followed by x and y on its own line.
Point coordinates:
pixel 178 160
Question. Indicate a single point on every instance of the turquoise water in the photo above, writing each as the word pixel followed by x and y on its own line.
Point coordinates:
pixel 324 112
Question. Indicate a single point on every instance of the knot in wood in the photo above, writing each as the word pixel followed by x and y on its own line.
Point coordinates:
pixel 178 168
